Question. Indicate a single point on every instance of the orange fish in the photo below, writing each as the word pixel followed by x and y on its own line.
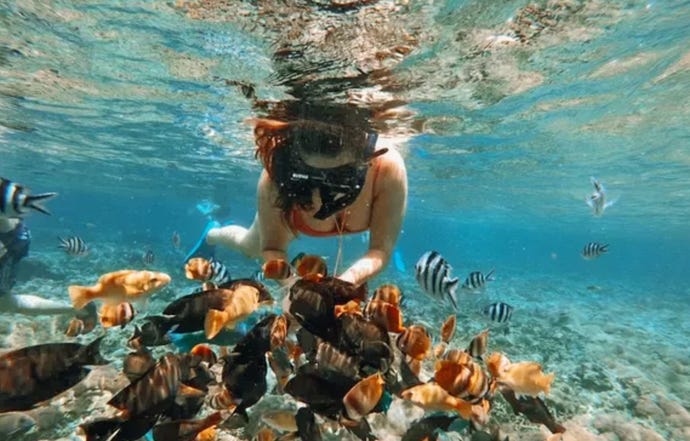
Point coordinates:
pixel 415 341
pixel 363 397
pixel 116 315
pixel 431 396
pixel 457 356
pixel 440 350
pixel 385 314
pixel 467 381
pixel 448 329
pixel 277 269
pixel 74 328
pixel 205 353
pixel 307 264
pixel 388 293
pixel 244 301
pixel 210 434
pixel 279 331
pixel 118 287
pixel 523 378
pixel 351 307
pixel 198 268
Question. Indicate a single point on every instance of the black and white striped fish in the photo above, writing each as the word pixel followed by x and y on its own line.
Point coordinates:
pixel 219 273
pixel 477 280
pixel 149 257
pixel 73 246
pixel 432 272
pixel 498 312
pixel 15 200
pixel 593 250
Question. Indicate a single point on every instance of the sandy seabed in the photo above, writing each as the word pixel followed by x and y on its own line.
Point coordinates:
pixel 619 354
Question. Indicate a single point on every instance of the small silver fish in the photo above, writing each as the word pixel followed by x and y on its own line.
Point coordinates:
pixel 597 201
pixel 74 246
pixel 477 280
pixel 498 312
pixel 593 250
pixel 149 257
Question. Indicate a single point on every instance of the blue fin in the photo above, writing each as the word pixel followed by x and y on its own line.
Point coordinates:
pixel 200 244
pixel 398 260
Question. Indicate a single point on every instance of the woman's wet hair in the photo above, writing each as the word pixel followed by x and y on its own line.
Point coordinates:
pixel 296 129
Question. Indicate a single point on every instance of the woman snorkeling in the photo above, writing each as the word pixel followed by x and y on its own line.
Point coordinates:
pixel 324 175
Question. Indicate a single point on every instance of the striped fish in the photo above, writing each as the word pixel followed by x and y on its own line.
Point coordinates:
pixel 432 272
pixel 73 245
pixel 477 280
pixel 219 273
pixel 593 250
pixel 15 200
pixel 149 257
pixel 498 312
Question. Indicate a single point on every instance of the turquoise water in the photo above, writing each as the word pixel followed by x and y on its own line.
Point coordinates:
pixel 123 109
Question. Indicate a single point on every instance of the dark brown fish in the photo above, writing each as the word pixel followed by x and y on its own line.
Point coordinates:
pixel 307 429
pixel 534 409
pixel 312 306
pixel 427 428
pixel 324 394
pixel 117 428
pixel 137 364
pixel 245 367
pixel 154 392
pixel 37 373
pixel 189 312
pixel 184 430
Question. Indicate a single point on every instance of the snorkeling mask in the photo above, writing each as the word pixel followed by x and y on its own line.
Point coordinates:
pixel 338 186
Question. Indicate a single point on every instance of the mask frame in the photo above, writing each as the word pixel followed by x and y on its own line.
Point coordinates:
pixel 338 186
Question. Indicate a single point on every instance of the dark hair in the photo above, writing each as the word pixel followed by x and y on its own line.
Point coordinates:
pixel 310 129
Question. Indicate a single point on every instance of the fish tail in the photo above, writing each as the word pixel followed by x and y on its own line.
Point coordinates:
pixel 604 248
pixel 91 354
pixel 490 274
pixel 32 201
pixel 214 322
pixel 452 286
pixel 464 408
pixel 81 295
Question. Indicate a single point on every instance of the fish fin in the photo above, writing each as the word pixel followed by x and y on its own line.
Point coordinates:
pixel 451 287
pixel 81 295
pixel 611 202
pixel 33 200
pixel 214 322
pixel 90 354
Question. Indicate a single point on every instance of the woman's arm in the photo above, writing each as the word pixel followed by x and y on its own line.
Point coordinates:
pixel 275 234
pixel 388 210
